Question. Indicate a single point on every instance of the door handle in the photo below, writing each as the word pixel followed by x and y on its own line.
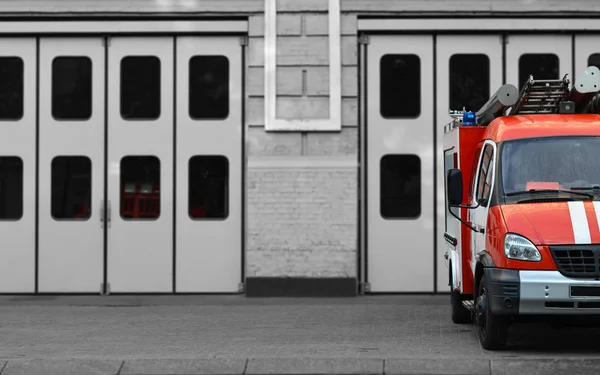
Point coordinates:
pixel 102 213
pixel 108 214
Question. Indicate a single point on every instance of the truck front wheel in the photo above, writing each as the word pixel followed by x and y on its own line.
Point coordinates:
pixel 492 330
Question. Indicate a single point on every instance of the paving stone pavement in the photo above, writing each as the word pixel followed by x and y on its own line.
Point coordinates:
pixel 240 335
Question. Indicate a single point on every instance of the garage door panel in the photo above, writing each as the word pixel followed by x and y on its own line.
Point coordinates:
pixel 209 164
pixel 469 71
pixel 71 172
pixel 140 174
pixel 400 172
pixel 17 164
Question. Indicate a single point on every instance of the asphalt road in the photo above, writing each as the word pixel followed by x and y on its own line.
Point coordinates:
pixel 240 335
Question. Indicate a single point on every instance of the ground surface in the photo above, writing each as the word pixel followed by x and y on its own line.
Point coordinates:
pixel 237 335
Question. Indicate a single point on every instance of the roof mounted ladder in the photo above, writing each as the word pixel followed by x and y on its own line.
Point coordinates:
pixel 536 97
pixel 541 96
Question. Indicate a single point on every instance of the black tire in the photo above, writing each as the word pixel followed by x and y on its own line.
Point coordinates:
pixel 460 315
pixel 492 330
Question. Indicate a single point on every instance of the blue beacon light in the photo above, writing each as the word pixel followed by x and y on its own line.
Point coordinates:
pixel 469 119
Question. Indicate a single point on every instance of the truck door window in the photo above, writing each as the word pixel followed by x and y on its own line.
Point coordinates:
pixel 473 171
pixel 485 176
pixel 449 163
pixel 541 65
pixel 469 81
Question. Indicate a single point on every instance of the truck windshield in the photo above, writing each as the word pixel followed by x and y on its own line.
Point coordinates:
pixel 553 163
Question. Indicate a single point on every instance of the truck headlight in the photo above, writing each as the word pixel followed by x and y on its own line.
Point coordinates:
pixel 520 248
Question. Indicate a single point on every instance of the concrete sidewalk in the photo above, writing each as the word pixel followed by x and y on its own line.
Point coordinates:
pixel 239 335
pixel 301 367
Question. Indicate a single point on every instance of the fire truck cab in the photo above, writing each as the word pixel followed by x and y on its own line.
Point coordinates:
pixel 522 183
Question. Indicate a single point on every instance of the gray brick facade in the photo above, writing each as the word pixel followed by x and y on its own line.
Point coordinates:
pixel 302 199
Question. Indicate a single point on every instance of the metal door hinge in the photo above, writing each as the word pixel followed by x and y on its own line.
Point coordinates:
pixel 364 39
pixel 102 292
pixel 242 288
pixel 366 287
pixel 108 214
pixel 102 213
pixel 243 40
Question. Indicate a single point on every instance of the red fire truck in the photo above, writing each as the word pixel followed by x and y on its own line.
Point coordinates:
pixel 522 181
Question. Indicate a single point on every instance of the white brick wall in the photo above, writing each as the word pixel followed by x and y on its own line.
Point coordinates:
pixel 302 221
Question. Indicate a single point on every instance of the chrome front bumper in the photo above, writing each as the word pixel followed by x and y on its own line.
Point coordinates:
pixel 541 292
pixel 549 292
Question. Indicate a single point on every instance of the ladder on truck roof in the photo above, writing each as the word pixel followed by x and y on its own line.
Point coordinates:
pixel 542 96
pixel 536 97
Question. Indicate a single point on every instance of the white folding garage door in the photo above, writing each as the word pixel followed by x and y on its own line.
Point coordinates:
pixel 404 252
pixel 139 181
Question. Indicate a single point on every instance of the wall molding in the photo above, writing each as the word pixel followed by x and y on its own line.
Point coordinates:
pixel 119 27
pixel 334 122
pixel 475 24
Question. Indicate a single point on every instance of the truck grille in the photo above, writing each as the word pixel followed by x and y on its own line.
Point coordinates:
pixel 577 261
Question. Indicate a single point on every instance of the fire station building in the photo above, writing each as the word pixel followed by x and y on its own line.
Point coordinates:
pixel 263 147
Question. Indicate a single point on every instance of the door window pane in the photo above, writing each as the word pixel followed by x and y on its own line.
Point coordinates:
pixel 594 60
pixel 140 87
pixel 209 87
pixel 449 163
pixel 485 177
pixel 469 81
pixel 11 88
pixel 400 86
pixel 71 188
pixel 540 65
pixel 400 187
pixel 473 172
pixel 11 188
pixel 140 187
pixel 72 88
pixel 208 187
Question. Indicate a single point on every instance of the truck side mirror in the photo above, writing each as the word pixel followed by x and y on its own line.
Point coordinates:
pixel 454 184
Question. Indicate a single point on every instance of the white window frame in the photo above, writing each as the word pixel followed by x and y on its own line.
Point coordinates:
pixel 334 122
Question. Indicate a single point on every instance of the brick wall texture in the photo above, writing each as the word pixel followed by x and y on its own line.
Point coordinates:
pixel 302 221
